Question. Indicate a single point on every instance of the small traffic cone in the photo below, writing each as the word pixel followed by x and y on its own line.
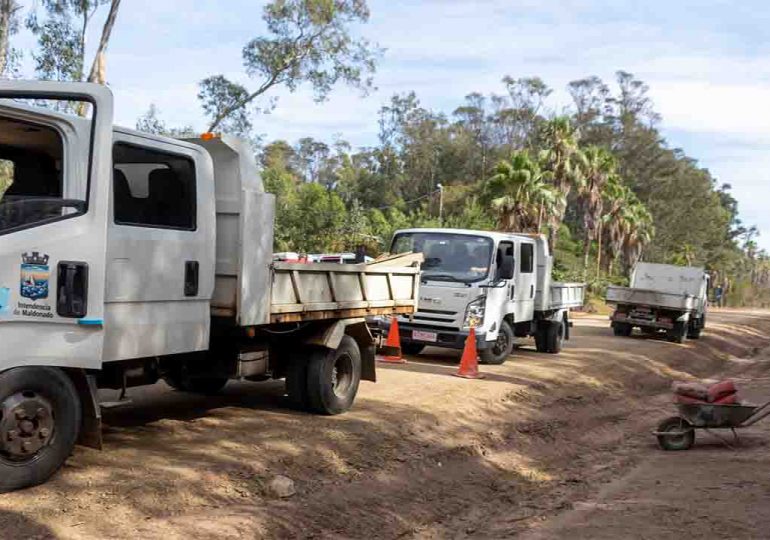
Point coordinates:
pixel 393 345
pixel 469 363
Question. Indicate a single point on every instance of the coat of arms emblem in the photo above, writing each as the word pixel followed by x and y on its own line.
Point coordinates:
pixel 35 275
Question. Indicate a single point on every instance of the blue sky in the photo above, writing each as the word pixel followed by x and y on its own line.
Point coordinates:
pixel 707 64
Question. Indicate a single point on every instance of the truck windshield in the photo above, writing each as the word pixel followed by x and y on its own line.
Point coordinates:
pixel 448 257
pixel 31 176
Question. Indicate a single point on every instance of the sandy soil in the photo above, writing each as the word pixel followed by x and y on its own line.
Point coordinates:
pixel 544 444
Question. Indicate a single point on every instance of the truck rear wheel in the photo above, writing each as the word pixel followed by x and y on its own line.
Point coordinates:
pixel 678 333
pixel 554 336
pixel 40 415
pixel 333 378
pixel 622 329
pixel 501 349
pixel 694 329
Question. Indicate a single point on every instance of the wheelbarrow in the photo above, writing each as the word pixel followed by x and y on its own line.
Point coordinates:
pixel 678 432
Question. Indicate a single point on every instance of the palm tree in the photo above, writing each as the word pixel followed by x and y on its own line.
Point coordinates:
pixel 598 167
pixel 628 223
pixel 518 195
pixel 559 161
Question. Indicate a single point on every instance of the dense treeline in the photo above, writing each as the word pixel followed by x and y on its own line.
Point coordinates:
pixel 597 177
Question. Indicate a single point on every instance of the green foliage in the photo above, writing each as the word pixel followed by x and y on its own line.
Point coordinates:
pixel 61 36
pixel 308 41
pixel 600 179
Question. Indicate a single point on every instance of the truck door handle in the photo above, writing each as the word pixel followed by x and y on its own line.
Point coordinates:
pixel 531 291
pixel 191 278
pixel 513 291
pixel 72 290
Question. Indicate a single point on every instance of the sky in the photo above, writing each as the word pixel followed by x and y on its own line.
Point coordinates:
pixel 707 64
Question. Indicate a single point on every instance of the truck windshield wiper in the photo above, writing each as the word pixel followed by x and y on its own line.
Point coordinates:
pixel 443 277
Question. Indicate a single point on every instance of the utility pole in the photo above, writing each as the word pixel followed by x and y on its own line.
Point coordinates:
pixel 440 205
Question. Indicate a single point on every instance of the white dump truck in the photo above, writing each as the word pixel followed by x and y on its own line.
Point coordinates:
pixel 127 258
pixel 498 283
pixel 661 297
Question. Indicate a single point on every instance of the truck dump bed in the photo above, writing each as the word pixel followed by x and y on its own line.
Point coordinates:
pixel 303 292
pixel 648 297
pixel 567 295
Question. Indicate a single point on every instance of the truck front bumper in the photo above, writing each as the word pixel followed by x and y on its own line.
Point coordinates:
pixel 445 337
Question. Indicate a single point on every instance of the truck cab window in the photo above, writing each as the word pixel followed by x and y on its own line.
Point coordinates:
pixel 153 189
pixel 31 173
pixel 527 259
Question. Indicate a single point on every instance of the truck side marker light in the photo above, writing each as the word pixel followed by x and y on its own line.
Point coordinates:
pixel 91 322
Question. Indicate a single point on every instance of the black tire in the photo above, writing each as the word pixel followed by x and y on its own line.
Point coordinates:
pixel 554 336
pixel 622 329
pixel 333 378
pixel 678 333
pixel 499 352
pixel 412 349
pixel 541 338
pixel 27 388
pixel 694 329
pixel 296 381
pixel 683 441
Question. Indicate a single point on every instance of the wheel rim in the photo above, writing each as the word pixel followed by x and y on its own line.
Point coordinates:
pixel 342 375
pixel 680 440
pixel 26 426
pixel 501 344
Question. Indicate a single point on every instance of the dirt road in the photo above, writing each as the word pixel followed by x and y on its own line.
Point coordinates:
pixel 543 443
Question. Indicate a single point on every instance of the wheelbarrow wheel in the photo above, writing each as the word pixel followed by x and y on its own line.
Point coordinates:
pixel 682 434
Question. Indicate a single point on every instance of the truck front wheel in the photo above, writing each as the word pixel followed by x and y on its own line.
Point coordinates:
pixel 40 415
pixel 501 348
pixel 333 378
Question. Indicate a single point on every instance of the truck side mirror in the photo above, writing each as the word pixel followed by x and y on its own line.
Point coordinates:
pixel 505 269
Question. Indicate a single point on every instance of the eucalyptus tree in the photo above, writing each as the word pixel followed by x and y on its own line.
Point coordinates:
pixel 61 36
pixel 308 41
pixel 9 25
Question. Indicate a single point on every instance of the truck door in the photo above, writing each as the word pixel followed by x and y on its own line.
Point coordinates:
pixel 54 180
pixel 524 295
pixel 160 256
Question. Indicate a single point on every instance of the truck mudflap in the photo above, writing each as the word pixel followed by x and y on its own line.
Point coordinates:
pixel 91 424
pixel 330 335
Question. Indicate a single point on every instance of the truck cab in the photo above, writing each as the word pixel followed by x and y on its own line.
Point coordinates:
pixel 497 283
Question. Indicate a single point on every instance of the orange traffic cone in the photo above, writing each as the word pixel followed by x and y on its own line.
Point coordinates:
pixel 469 364
pixel 392 347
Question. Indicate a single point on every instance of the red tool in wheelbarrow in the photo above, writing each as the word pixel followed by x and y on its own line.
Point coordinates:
pixel 713 407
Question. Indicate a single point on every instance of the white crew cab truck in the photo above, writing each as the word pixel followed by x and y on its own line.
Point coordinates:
pixel 498 283
pixel 126 258
pixel 661 297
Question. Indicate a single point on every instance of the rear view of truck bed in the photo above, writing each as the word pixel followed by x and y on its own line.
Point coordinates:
pixel 302 292
pixel 647 297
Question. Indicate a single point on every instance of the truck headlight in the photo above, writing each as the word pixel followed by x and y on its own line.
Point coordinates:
pixel 474 313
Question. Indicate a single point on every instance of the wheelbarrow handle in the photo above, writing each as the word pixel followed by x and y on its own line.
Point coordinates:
pixel 759 413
